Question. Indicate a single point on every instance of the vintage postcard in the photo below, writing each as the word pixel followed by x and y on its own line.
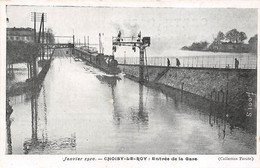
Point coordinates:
pixel 110 84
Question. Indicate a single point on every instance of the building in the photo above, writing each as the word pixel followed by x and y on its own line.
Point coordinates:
pixel 20 34
pixel 253 44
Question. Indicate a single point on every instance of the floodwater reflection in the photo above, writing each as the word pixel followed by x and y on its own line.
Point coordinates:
pixel 137 115
pixel 82 110
pixel 39 142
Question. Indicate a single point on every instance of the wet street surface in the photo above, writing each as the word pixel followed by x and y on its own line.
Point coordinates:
pixel 82 110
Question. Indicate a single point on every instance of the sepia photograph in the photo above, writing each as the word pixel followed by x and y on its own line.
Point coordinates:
pixel 130 80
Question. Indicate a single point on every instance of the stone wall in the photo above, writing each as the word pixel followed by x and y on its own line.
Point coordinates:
pixel 221 84
pixel 223 92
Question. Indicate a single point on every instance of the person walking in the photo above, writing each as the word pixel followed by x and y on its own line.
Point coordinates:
pixel 168 62
pixel 236 63
pixel 178 62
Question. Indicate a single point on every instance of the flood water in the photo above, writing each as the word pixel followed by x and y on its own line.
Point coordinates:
pixel 81 110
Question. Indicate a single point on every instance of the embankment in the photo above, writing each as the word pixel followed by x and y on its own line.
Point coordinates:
pixel 228 87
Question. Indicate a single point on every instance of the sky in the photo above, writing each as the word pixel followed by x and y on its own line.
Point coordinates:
pixel 169 28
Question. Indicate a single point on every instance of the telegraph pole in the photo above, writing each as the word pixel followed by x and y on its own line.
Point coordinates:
pixel 38 17
pixel 35 40
pixel 88 42
pixel 34 56
pixel 100 43
pixel 73 39
pixel 43 47
pixel 47 42
pixel 133 42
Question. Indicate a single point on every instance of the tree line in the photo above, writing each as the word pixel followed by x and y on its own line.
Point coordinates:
pixel 232 36
pixel 231 41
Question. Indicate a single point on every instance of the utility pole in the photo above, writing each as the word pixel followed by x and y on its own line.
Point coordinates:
pixel 73 39
pixel 34 56
pixel 43 47
pixel 47 42
pixel 73 43
pixel 37 17
pixel 100 43
pixel 133 42
pixel 88 42
pixel 35 40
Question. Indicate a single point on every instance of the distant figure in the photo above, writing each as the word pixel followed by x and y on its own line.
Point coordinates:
pixel 168 62
pixel 236 63
pixel 227 66
pixel 178 62
pixel 119 34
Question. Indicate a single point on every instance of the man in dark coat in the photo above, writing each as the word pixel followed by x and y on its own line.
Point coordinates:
pixel 168 62
pixel 178 62
pixel 236 63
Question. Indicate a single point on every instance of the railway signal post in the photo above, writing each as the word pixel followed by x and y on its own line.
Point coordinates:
pixel 133 42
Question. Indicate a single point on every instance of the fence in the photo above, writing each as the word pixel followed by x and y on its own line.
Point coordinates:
pixel 220 61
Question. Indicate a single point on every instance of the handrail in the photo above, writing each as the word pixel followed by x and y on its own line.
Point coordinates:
pixel 221 61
